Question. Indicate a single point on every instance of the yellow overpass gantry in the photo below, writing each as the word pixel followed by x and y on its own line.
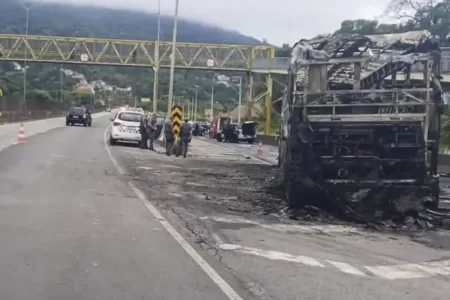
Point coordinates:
pixel 120 52
pixel 138 53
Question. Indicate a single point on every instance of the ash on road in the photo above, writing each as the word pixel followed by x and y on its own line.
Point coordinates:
pixel 217 197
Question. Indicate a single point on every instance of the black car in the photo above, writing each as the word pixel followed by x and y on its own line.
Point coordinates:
pixel 236 133
pixel 79 115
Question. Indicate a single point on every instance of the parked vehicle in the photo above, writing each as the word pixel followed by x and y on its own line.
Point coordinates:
pixel 235 133
pixel 125 127
pixel 79 115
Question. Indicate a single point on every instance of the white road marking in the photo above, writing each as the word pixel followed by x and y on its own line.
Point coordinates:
pixel 411 271
pixel 145 168
pixel 436 267
pixel 407 271
pixel 244 155
pixel 273 255
pixel 176 195
pixel 389 272
pixel 346 268
pixel 287 227
pixel 215 277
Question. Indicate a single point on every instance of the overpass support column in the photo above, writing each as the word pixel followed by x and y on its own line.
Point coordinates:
pixel 268 104
pixel 156 73
pixel 249 104
pixel 155 88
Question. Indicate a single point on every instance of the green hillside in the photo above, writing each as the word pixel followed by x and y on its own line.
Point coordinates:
pixel 43 84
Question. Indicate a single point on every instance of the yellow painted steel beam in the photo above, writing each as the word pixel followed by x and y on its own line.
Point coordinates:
pixel 129 52
pixel 268 104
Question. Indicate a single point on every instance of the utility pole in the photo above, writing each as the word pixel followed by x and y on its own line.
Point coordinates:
pixel 212 99
pixel 156 67
pixel 172 59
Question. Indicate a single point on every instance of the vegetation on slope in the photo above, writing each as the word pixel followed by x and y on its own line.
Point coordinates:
pixel 68 20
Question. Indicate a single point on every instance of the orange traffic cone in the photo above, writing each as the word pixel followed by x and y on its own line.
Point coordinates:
pixel 21 137
pixel 260 152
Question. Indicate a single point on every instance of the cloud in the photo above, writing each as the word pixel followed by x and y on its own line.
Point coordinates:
pixel 278 21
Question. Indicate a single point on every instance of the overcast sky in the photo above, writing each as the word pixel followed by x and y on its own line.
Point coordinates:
pixel 278 21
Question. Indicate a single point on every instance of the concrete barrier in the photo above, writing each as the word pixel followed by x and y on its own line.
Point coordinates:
pixel 444 159
pixel 9 132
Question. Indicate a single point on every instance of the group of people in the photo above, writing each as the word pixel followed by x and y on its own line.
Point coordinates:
pixel 148 130
pixel 185 137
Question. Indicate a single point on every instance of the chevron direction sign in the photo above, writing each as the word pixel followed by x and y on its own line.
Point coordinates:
pixel 177 115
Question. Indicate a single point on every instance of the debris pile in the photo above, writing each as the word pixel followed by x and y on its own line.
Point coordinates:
pixel 400 215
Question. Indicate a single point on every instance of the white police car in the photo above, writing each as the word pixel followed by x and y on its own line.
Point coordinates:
pixel 125 126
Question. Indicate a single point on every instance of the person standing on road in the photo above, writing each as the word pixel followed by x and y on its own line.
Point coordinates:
pixel 168 135
pixel 186 136
pixel 151 126
pixel 143 131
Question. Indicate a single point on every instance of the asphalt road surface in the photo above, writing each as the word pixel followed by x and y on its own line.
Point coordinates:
pixel 72 228
pixel 83 220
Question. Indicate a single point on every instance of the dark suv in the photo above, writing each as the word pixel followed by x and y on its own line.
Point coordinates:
pixel 79 115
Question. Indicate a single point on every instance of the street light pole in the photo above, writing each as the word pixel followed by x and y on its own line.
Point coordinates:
pixel 156 68
pixel 172 58
pixel 25 62
pixel 189 109
pixel 195 104
pixel 240 99
pixel 61 84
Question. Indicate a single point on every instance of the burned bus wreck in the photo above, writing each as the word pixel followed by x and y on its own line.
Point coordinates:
pixel 357 129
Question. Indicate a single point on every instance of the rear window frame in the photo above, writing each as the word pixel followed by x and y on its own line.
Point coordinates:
pixel 77 110
pixel 131 113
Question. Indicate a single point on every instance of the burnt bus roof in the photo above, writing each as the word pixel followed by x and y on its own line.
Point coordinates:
pixel 408 47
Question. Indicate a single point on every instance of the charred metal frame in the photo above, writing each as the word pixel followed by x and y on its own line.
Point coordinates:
pixel 346 136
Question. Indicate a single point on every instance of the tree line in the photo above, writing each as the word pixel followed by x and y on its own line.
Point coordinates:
pixel 407 15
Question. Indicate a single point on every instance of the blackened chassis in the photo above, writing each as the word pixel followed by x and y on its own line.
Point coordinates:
pixel 367 147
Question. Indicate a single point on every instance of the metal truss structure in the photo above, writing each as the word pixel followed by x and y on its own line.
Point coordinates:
pixel 265 91
pixel 138 53
pixel 129 52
